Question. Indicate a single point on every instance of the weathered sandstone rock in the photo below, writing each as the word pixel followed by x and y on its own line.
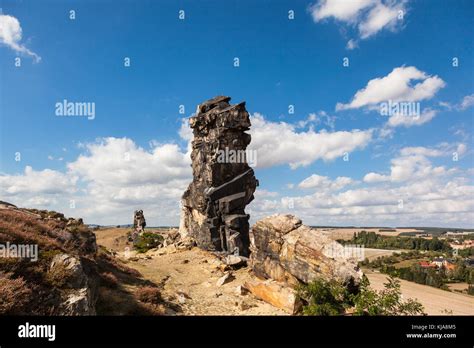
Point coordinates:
pixel 213 206
pixel 275 293
pixel 226 278
pixel 77 289
pixel 285 250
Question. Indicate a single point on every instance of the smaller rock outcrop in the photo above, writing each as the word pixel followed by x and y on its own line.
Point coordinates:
pixel 139 222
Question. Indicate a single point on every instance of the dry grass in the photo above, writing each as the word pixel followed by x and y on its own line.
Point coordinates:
pixel 120 289
pixel 149 294
pixel 14 295
pixel 50 232
pixel 20 228
pixel 115 283
pixel 109 280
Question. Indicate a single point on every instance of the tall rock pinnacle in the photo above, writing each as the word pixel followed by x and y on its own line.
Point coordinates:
pixel 213 206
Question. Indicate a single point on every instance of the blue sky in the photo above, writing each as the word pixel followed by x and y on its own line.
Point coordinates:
pixel 283 62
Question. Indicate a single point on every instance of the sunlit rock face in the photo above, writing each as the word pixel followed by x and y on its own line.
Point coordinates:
pixel 213 206
pixel 285 250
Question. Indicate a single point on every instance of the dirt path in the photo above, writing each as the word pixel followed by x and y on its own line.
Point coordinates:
pixel 188 278
pixel 435 301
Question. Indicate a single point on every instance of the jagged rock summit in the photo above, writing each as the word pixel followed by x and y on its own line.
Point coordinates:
pixel 213 206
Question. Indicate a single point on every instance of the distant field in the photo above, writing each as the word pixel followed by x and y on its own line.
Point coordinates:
pixel 406 263
pixel 116 238
pixel 435 301
pixel 348 233
pixel 373 254
pixel 458 286
pixel 395 231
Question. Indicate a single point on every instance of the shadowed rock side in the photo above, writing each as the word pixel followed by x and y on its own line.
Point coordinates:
pixel 213 211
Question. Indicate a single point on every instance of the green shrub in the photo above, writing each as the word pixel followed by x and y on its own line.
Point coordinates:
pixel 147 241
pixel 322 297
pixel 384 302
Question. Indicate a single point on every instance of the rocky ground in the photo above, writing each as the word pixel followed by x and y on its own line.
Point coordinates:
pixel 85 272
pixel 188 279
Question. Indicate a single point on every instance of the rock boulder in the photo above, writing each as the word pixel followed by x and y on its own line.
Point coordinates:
pixel 287 251
pixel 78 291
pixel 275 293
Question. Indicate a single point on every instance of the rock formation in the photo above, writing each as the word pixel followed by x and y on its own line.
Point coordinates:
pixel 275 293
pixel 213 206
pixel 139 225
pixel 286 253
pixel 139 222
pixel 285 250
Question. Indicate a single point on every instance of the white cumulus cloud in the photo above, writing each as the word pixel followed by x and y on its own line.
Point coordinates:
pixel 369 16
pixel 342 10
pixel 403 84
pixel 467 102
pixel 413 163
pixel 324 182
pixel 11 35
pixel 414 193
pixel 46 182
pixel 278 143
pixel 399 119
pixel 382 15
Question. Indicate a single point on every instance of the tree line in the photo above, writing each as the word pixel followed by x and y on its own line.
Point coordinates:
pixel 377 241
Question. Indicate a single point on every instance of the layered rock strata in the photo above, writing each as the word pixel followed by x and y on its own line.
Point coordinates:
pixel 213 206
pixel 285 250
